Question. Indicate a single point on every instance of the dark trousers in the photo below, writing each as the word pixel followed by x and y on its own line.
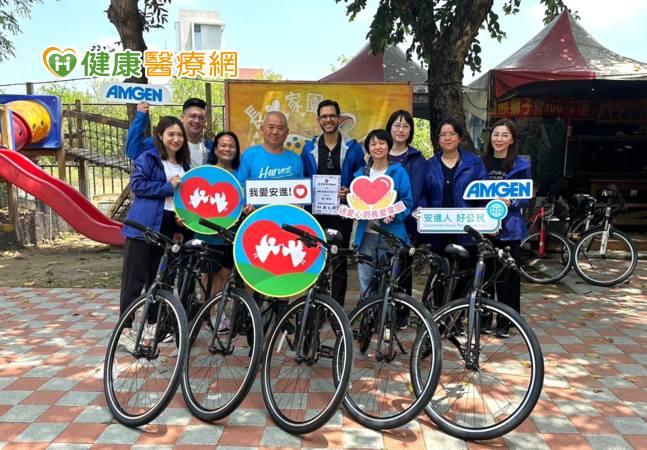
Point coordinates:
pixel 141 261
pixel 340 266
pixel 508 285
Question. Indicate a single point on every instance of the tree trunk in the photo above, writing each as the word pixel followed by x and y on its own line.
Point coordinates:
pixel 129 22
pixel 446 99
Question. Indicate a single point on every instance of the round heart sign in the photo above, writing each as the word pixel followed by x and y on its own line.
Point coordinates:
pixel 210 193
pixel 273 261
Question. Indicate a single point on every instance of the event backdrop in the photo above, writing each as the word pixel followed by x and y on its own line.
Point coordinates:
pixel 364 107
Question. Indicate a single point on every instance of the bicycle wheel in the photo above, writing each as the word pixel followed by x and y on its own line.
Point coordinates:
pixel 605 263
pixel 548 264
pixel 300 387
pixel 221 366
pixel 379 395
pixel 492 397
pixel 140 379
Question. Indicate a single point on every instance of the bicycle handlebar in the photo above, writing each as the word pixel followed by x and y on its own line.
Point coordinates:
pixel 310 240
pixel 390 236
pixel 223 232
pixel 477 236
pixel 151 235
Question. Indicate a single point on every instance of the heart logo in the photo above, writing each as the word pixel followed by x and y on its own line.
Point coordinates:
pixel 371 191
pixel 59 62
pixel 209 201
pixel 300 191
pixel 271 248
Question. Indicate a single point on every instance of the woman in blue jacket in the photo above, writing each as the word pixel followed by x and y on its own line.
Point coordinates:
pixel 448 174
pixel 503 163
pixel 226 155
pixel 377 144
pixel 156 175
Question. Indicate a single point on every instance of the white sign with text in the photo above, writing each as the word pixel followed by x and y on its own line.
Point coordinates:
pixel 270 192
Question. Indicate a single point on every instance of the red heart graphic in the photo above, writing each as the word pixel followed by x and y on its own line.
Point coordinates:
pixel 198 197
pixel 371 191
pixel 266 245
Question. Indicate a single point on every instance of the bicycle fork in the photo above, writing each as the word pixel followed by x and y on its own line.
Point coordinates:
pixel 473 332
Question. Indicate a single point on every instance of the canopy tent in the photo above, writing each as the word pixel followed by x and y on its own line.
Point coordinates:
pixel 562 51
pixel 392 65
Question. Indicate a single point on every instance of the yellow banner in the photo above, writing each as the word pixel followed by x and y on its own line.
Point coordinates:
pixel 364 107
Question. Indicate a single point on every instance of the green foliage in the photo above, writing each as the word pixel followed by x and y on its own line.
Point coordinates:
pixel 421 139
pixel 433 25
pixel 10 12
pixel 342 60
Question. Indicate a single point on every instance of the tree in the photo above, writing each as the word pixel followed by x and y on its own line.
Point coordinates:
pixel 444 36
pixel 10 11
pixel 131 23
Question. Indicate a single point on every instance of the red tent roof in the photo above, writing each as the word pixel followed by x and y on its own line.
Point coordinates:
pixel 392 65
pixel 561 51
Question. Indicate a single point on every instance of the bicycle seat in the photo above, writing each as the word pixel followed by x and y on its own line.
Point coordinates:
pixel 193 244
pixel 456 250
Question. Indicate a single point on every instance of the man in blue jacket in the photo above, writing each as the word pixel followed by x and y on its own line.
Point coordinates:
pixel 194 115
pixel 330 153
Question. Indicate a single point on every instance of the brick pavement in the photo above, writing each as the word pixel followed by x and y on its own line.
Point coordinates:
pixel 52 345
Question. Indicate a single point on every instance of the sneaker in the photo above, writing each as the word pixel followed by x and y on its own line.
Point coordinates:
pixel 502 333
pixel 127 340
pixel 486 324
pixel 387 334
pixel 224 326
pixel 403 322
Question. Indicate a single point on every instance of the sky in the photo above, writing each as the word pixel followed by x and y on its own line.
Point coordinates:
pixel 299 39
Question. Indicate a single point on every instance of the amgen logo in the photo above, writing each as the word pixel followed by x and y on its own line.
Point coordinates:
pixel 134 93
pixel 491 189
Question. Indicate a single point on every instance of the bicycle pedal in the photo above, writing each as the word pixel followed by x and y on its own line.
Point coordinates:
pixel 326 351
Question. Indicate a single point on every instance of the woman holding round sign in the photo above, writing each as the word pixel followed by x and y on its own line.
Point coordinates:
pixel 156 176
pixel 220 202
pixel 377 187
pixel 503 163
pixel 448 173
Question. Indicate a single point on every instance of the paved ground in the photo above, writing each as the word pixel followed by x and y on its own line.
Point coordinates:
pixel 52 345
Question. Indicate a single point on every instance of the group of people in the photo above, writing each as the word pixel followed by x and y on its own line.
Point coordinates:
pixel 178 145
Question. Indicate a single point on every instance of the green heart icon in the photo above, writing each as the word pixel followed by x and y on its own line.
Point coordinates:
pixel 60 64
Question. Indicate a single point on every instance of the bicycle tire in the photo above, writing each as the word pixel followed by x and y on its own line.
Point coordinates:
pixel 274 376
pixel 554 268
pixel 461 393
pixel 364 407
pixel 584 261
pixel 176 352
pixel 238 362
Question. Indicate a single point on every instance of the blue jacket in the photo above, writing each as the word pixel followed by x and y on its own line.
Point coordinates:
pixel 402 186
pixel 514 227
pixel 414 163
pixel 470 168
pixel 351 158
pixel 148 183
pixel 136 144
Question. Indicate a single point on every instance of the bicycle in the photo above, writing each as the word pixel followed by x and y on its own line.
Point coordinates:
pixel 148 346
pixel 301 386
pixel 546 256
pixel 604 255
pixel 379 395
pixel 222 361
pixel 488 386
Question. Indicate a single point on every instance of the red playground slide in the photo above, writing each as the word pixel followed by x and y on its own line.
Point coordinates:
pixel 68 203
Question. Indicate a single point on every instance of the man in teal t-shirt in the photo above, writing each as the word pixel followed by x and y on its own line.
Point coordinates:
pixel 270 161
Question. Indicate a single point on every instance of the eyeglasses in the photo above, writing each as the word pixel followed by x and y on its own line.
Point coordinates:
pixel 401 126
pixel 451 134
pixel 328 117
pixel 197 117
pixel 329 163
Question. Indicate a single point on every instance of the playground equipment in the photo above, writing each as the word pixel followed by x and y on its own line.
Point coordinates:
pixel 34 122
